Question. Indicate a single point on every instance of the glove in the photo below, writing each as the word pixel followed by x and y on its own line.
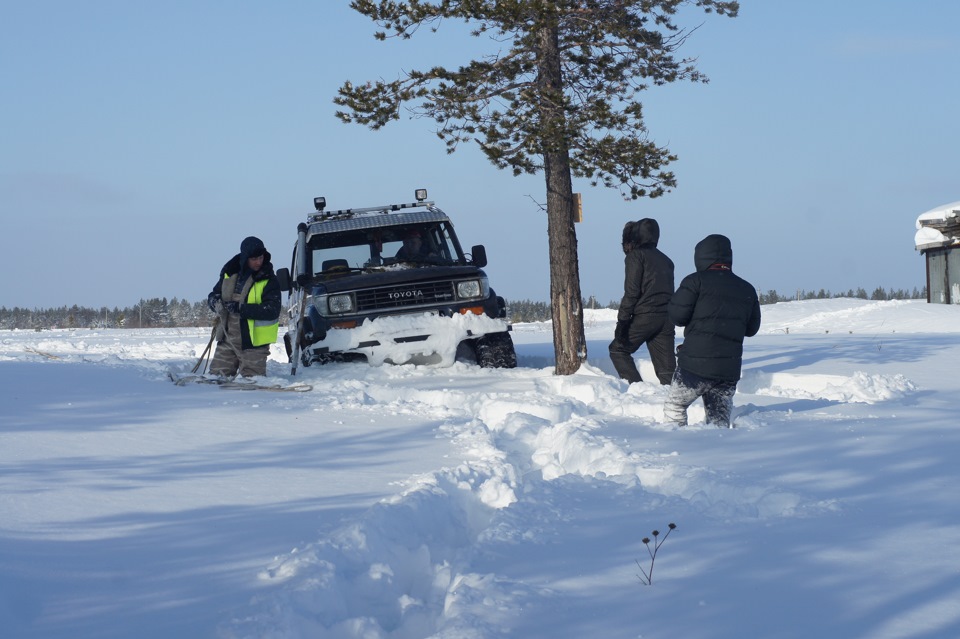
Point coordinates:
pixel 233 307
pixel 213 301
pixel 620 332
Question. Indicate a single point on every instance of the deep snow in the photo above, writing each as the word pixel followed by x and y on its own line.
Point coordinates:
pixel 456 502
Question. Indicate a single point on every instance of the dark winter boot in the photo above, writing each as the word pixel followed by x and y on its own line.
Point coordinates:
pixel 623 361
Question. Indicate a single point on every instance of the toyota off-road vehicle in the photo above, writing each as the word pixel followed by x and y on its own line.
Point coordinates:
pixel 391 284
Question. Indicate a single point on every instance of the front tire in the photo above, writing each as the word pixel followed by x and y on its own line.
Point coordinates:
pixel 496 351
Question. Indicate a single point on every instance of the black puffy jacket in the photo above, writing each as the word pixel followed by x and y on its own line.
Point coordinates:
pixel 648 272
pixel 717 309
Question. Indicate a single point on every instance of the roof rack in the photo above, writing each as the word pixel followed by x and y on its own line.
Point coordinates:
pixel 320 203
pixel 347 213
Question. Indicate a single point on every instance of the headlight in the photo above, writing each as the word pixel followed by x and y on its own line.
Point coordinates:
pixel 340 303
pixel 470 289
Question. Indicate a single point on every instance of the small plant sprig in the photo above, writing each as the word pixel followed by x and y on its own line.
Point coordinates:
pixel 647 575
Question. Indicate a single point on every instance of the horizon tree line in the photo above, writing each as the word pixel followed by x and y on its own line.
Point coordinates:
pixel 159 312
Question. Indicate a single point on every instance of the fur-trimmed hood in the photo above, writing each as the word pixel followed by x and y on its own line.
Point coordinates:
pixel 643 233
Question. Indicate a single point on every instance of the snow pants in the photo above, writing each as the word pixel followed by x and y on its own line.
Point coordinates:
pixel 658 333
pixel 230 358
pixel 686 388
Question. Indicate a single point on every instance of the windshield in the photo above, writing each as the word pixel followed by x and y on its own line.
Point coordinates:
pixel 383 247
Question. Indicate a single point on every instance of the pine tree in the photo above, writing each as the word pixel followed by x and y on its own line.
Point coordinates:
pixel 558 95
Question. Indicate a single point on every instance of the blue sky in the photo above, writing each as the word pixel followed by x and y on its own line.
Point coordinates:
pixel 141 142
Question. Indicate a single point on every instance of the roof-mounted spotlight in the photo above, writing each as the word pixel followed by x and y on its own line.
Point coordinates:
pixel 420 194
pixel 319 203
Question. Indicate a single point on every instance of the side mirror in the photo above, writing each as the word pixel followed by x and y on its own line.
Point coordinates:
pixel 283 276
pixel 479 255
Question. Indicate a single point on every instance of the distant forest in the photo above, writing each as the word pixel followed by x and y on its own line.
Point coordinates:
pixel 163 313
pixel 528 311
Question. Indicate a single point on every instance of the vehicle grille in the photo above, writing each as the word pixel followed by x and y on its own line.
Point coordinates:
pixel 405 296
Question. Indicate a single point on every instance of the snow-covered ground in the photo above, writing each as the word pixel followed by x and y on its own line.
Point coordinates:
pixel 403 502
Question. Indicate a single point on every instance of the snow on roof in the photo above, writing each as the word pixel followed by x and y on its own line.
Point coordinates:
pixel 929 238
pixel 941 213
pixel 938 227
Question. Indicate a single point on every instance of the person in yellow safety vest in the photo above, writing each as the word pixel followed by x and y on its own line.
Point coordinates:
pixel 247 299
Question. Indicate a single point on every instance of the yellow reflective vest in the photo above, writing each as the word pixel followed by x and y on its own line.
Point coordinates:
pixel 262 332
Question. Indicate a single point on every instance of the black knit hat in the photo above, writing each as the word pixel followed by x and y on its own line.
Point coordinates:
pixel 252 247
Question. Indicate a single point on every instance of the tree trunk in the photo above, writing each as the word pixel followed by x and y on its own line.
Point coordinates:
pixel 569 343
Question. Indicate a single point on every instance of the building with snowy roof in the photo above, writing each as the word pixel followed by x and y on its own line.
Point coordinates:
pixel 938 239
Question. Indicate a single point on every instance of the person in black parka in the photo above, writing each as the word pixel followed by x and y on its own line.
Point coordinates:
pixel 247 298
pixel 717 309
pixel 642 318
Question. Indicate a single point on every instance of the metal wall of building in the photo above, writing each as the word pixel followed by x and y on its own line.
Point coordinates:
pixel 953 275
pixel 943 276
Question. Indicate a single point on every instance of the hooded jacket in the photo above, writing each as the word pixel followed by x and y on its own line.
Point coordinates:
pixel 258 294
pixel 648 272
pixel 717 310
